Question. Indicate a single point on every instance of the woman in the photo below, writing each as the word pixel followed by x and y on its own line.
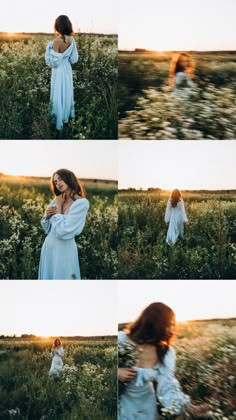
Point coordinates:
pixel 175 217
pixel 57 355
pixel 64 219
pixel 60 54
pixel 181 74
pixel 152 377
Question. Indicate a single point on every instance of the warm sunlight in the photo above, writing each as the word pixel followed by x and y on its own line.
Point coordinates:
pixel 58 308
pixel 186 25
pixel 88 159
pixel 183 165
pixel 190 299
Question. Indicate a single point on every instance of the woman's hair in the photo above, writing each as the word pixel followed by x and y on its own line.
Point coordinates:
pixel 151 328
pixel 176 66
pixel 175 197
pixel 70 179
pixel 57 342
pixel 63 26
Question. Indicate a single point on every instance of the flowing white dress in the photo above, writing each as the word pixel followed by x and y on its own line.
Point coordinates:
pixel 138 402
pixel 57 363
pixel 59 255
pixel 176 217
pixel 183 84
pixel 62 92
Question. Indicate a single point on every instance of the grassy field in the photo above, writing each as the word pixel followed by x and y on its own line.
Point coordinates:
pixel 206 355
pixel 22 204
pixel 25 88
pixel 86 389
pixel 147 110
pixel 208 250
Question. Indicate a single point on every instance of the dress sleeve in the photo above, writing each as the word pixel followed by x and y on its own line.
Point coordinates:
pixel 52 58
pixel 121 337
pixel 67 226
pixel 168 210
pixel 169 393
pixel 74 57
pixel 45 223
pixel 183 212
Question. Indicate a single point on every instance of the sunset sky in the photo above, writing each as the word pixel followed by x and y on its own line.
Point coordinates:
pixel 88 159
pixel 39 16
pixel 58 307
pixel 177 25
pixel 177 164
pixel 190 299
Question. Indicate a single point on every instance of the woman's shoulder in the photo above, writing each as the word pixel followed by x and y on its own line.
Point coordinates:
pixel 81 202
pixel 170 357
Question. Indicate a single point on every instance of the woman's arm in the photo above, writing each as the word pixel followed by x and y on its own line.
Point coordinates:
pixel 74 57
pixel 67 226
pixel 168 211
pixel 183 212
pixel 52 58
pixel 45 221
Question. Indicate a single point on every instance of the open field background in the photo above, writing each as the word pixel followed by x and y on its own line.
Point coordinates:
pixel 25 88
pixel 208 250
pixel 206 354
pixel 147 110
pixel 87 388
pixel 22 204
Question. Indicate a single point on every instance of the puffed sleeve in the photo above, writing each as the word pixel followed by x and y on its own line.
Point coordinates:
pixel 61 352
pixel 168 210
pixel 46 225
pixel 67 226
pixel 52 58
pixel 183 212
pixel 74 57
pixel 169 393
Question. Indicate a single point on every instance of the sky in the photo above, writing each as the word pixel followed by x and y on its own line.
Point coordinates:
pixel 177 25
pixel 190 299
pixel 177 164
pixel 87 159
pixel 39 16
pixel 58 308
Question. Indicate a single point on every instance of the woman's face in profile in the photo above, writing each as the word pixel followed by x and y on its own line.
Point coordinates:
pixel 59 183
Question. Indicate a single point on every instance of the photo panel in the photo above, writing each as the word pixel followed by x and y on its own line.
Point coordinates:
pixel 176 349
pixel 177 204
pixel 177 70
pixel 58 70
pixel 58 211
pixel 58 350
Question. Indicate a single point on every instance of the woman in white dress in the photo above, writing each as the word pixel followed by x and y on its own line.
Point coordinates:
pixel 151 379
pixel 63 220
pixel 175 217
pixel 181 74
pixel 57 356
pixel 60 54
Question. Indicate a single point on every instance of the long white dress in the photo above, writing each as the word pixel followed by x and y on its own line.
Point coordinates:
pixel 176 217
pixel 138 402
pixel 182 84
pixel 62 92
pixel 57 363
pixel 59 255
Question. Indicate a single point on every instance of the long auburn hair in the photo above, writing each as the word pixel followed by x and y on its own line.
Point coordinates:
pixel 175 66
pixel 57 342
pixel 175 197
pixel 70 179
pixel 63 26
pixel 151 328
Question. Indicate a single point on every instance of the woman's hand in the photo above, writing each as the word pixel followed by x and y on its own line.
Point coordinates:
pixel 50 212
pixel 126 374
pixel 60 202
